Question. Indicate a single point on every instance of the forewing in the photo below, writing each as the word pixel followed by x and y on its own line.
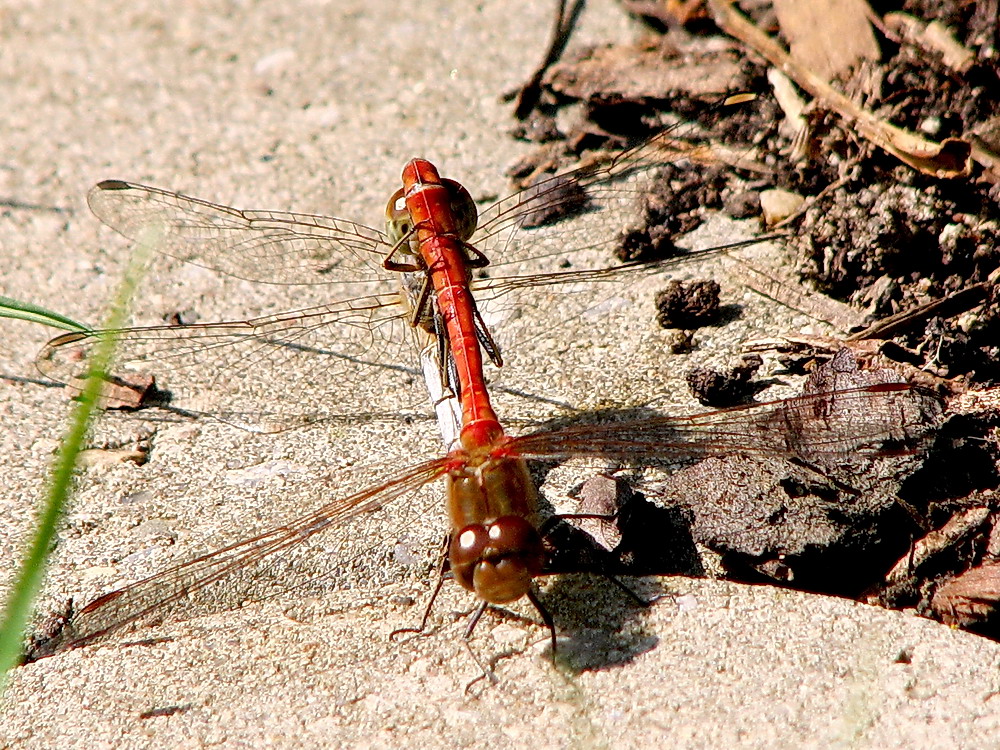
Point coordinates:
pixel 270 247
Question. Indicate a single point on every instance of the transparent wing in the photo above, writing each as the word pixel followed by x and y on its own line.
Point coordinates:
pixel 593 205
pixel 277 371
pixel 823 428
pixel 254 569
pixel 271 247
pixel 883 419
pixel 567 233
pixel 269 373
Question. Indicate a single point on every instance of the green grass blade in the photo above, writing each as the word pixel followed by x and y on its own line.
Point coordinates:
pixel 12 308
pixel 28 582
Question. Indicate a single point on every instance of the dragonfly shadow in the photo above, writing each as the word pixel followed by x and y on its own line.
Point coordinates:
pixel 607 635
pixel 595 416
pixel 21 380
pixel 605 419
pixel 650 541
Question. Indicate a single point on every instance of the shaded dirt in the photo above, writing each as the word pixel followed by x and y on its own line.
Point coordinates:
pixel 916 254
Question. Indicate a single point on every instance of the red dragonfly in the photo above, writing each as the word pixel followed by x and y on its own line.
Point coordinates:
pixel 500 551
pixel 496 549
pixel 361 340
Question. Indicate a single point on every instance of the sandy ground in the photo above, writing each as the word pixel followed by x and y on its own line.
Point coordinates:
pixel 315 106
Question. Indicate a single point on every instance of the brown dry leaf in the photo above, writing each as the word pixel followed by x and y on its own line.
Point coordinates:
pixel 121 392
pixel 642 71
pixel 970 598
pixel 828 36
pixel 948 159
pixel 959 528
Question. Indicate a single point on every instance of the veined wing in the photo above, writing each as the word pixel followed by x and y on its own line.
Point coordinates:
pixel 276 371
pixel 278 247
pixel 250 570
pixel 884 418
pixel 299 248
pixel 271 247
pixel 268 373
pixel 564 233
pixel 596 205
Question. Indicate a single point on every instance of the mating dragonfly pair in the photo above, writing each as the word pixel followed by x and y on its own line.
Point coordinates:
pixel 435 247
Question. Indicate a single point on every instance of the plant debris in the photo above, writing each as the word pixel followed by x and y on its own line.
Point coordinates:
pixel 688 305
pixel 895 202
pixel 879 134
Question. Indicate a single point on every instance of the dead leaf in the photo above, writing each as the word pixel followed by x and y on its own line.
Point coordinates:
pixel 643 72
pixel 959 528
pixel 969 599
pixel 949 159
pixel 828 36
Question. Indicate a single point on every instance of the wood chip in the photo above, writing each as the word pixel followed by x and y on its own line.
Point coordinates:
pixel 829 36
pixel 643 72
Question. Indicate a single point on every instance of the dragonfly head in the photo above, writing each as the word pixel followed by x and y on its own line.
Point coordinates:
pixel 497 560
pixel 399 224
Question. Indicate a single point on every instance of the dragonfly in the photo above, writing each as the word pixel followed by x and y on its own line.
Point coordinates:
pixel 503 256
pixel 496 549
pixel 501 551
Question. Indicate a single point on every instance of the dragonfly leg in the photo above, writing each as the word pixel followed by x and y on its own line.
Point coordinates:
pixel 414 266
pixel 443 575
pixel 486 672
pixel 486 340
pixel 551 521
pixel 630 593
pixel 420 312
pixel 474 620
pixel 599 561
pixel 546 617
pixel 449 373
pixel 475 258
pixel 535 602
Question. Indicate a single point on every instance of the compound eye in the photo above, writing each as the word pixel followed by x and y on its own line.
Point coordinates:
pixel 463 209
pixel 397 218
pixel 498 561
pixel 513 536
pixel 468 547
